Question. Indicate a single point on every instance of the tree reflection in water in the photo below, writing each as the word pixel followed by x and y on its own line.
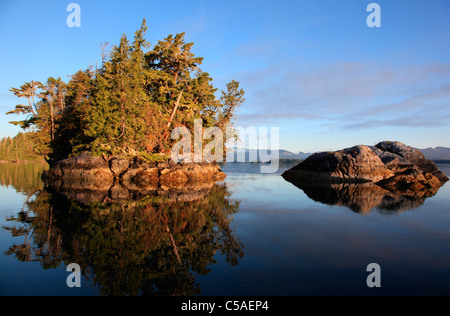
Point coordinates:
pixel 150 246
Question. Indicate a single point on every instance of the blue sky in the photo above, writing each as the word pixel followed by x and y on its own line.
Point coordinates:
pixel 312 68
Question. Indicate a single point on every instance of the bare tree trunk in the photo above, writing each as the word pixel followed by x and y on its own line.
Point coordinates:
pixel 52 119
pixel 177 103
pixel 62 105
pixel 175 250
pixel 31 106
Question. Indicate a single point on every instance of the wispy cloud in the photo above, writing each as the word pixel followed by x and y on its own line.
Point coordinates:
pixel 350 94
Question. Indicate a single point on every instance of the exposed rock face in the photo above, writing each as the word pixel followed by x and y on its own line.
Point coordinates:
pixel 92 172
pixel 356 164
pixel 393 166
pixel 397 155
pixel 94 178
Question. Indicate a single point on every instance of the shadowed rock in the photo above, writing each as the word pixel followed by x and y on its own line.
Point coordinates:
pixel 397 155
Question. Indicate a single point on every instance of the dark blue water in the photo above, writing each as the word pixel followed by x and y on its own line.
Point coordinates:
pixel 255 234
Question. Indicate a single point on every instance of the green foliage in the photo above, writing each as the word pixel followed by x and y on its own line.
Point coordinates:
pixel 127 106
pixel 70 136
pixel 155 157
pixel 19 148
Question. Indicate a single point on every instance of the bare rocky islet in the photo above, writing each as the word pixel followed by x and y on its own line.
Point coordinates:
pixel 391 165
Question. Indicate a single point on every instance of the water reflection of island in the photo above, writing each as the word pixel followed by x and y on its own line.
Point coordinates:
pixel 151 245
pixel 362 198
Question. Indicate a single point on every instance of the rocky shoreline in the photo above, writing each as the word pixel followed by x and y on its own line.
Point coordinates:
pixel 91 179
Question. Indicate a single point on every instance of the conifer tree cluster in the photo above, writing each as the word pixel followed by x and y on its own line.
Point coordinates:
pixel 129 105
pixel 18 148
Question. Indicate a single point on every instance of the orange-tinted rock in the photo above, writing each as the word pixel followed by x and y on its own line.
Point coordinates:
pixel 355 164
pixel 412 155
pixel 391 167
pixel 89 176
pixel 173 178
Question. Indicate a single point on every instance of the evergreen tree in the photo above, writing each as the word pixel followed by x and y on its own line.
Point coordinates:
pixel 172 63
pixel 19 148
pixel 30 91
pixel 127 107
pixel 70 137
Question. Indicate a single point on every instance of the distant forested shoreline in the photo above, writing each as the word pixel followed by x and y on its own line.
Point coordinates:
pixel 18 149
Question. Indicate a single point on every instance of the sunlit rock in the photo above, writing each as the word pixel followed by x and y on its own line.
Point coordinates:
pixel 389 176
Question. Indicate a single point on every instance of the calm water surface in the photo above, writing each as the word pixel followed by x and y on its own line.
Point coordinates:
pixel 253 234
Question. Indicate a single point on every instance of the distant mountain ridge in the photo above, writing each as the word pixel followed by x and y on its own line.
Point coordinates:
pixel 438 153
pixel 261 155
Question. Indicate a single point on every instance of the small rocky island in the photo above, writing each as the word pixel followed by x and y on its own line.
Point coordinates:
pixel 108 133
pixel 388 164
pixel 389 175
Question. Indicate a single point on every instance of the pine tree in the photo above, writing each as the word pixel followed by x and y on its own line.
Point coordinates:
pixel 172 63
pixel 18 148
pixel 230 101
pixel 30 91
pixel 70 137
pixel 129 106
